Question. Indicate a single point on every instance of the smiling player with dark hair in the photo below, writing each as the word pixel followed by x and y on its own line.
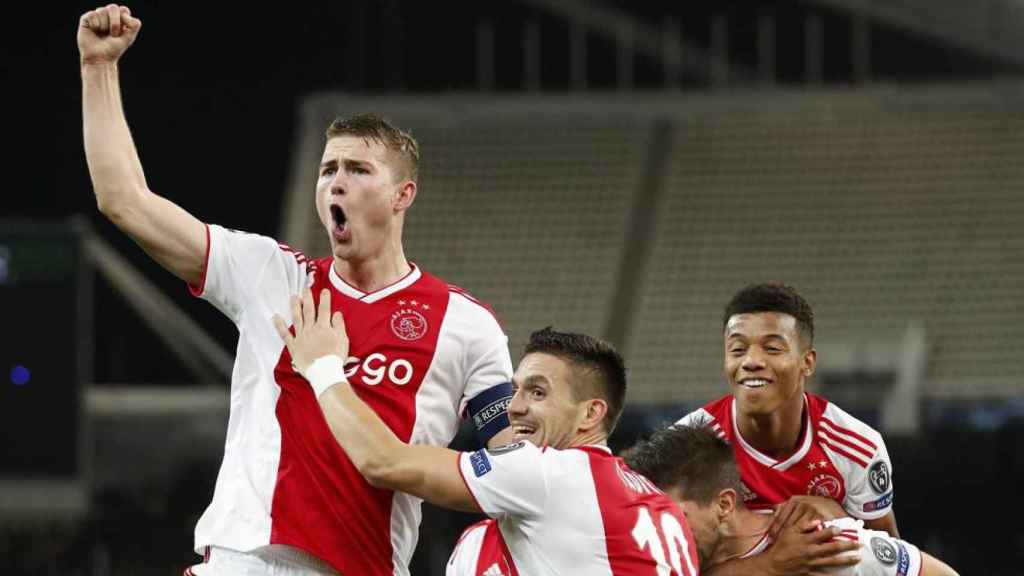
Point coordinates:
pixel 788 442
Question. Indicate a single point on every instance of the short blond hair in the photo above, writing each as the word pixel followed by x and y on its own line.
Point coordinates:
pixel 372 127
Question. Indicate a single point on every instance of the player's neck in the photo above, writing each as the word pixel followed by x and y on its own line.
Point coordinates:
pixel 591 438
pixel 372 274
pixel 777 434
pixel 744 530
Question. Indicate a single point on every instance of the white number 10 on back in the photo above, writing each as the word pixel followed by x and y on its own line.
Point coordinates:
pixel 646 535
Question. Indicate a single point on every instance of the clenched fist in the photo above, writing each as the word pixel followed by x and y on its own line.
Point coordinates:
pixel 105 33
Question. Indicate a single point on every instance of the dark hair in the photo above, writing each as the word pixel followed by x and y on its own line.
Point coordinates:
pixel 373 127
pixel 774 298
pixel 691 459
pixel 598 364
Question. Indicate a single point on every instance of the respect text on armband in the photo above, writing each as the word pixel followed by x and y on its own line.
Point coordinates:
pixel 880 504
pixel 491 411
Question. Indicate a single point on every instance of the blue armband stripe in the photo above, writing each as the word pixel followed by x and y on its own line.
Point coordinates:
pixel 489 411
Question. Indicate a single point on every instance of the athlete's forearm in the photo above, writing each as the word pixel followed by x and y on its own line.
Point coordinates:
pixel 428 472
pixel 369 443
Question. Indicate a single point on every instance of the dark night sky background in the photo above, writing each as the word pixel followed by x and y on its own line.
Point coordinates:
pixel 210 96
pixel 211 88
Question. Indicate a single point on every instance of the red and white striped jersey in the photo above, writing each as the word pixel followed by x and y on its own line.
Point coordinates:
pixel 839 457
pixel 479 552
pixel 880 554
pixel 419 349
pixel 579 512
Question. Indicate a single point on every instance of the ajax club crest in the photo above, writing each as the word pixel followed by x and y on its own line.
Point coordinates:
pixel 407 322
pixel 825 485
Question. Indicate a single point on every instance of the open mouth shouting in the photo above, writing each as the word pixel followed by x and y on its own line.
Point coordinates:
pixel 339 229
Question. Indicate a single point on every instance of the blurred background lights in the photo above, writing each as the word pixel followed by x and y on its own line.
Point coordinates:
pixel 20 375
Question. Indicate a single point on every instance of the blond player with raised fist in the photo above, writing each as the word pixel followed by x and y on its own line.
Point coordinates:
pixel 288 499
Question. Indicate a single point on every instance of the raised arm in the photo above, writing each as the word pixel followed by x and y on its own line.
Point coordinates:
pixel 317 349
pixel 169 234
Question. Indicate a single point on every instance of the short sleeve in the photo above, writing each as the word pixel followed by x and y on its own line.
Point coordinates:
pixel 509 480
pixel 243 269
pixel 883 555
pixel 869 490
pixel 699 417
pixel 859 453
pixel 486 362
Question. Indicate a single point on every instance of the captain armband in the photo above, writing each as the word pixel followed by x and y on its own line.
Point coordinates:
pixel 489 411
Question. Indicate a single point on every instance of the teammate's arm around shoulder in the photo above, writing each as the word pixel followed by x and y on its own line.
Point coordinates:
pixel 169 234
pixel 317 348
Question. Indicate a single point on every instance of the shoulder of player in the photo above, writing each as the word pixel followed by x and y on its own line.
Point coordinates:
pixel 518 458
pixel 468 302
pixel 846 436
pixel 566 462
pixel 240 236
pixel 546 457
pixel 839 422
pixel 520 448
pixel 712 414
pixel 249 240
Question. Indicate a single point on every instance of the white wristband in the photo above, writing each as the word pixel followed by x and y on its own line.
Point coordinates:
pixel 324 372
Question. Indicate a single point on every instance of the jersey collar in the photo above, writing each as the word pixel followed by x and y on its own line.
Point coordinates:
pixel 370 297
pixel 797 456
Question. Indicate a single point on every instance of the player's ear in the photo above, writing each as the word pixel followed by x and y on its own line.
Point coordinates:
pixel 404 196
pixel 808 362
pixel 725 503
pixel 596 410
